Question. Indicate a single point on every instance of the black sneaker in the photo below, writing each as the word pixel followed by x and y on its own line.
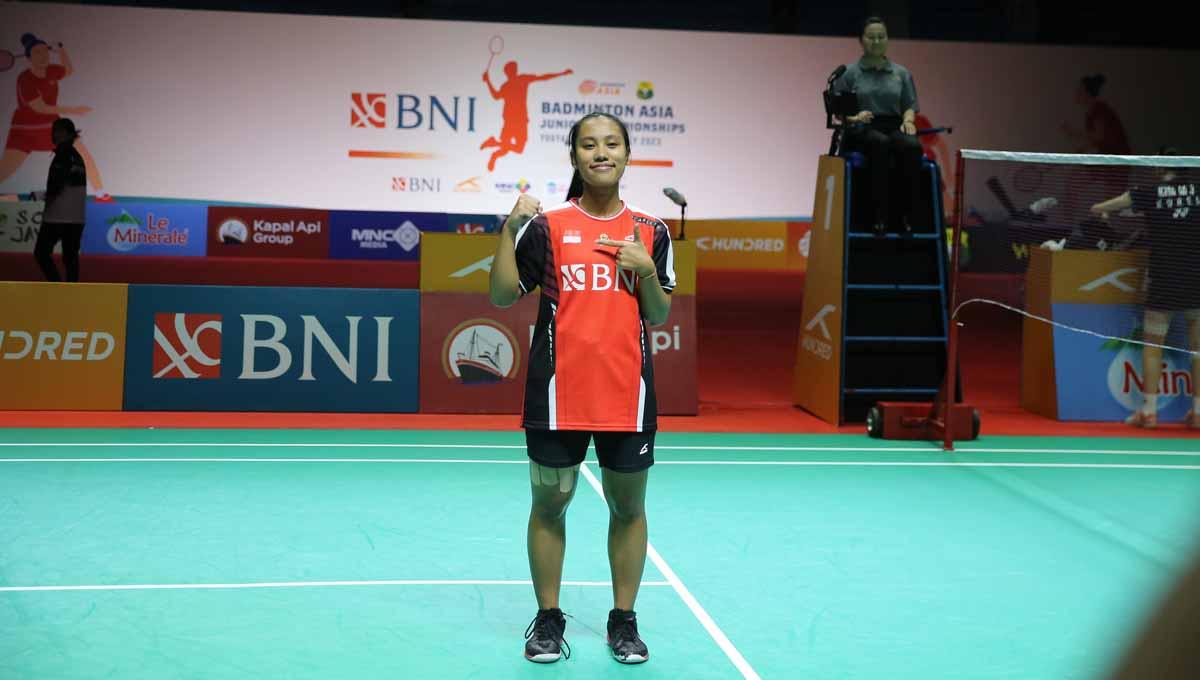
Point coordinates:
pixel 623 638
pixel 544 641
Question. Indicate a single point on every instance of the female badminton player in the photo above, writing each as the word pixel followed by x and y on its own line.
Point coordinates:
pixel 606 270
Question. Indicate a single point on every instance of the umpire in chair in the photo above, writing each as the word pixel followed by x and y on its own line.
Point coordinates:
pixel 874 102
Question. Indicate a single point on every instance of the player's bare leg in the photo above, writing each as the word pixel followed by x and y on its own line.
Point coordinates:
pixel 1155 330
pixel 627 540
pixel 553 489
pixel 627 533
pixel 1193 417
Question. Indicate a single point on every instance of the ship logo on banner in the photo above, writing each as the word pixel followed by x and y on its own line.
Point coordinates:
pixel 480 352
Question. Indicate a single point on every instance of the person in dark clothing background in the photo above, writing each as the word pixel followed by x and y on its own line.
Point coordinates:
pixel 66 198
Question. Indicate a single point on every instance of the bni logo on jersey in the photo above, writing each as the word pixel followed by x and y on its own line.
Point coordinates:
pixel 187 346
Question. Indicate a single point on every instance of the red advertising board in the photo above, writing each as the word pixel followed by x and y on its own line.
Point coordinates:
pixel 268 232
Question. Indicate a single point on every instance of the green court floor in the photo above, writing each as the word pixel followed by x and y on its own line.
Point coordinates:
pixel 382 554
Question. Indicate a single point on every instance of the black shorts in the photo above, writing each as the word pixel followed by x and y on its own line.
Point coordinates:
pixel 617 451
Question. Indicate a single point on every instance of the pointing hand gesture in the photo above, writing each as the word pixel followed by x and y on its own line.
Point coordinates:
pixel 632 255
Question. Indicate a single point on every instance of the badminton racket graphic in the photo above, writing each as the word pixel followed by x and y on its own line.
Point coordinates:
pixel 495 46
pixel 7 60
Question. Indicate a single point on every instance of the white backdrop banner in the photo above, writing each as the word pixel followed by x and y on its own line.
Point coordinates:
pixel 383 114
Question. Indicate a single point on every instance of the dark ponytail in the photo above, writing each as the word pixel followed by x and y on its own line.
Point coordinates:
pixel 576 188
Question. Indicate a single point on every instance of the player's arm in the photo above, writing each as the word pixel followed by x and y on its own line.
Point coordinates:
pixel 551 76
pixel 487 80
pixel 1112 205
pixel 42 107
pixel 65 60
pixel 655 292
pixel 654 301
pixel 504 287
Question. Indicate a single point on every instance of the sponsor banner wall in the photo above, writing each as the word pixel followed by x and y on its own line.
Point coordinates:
pixel 214 348
pixel 474 356
pixel 1102 380
pixel 457 263
pixel 367 132
pixel 463 264
pixel 366 235
pixel 474 224
pixel 19 224
pixel 171 229
pixel 748 244
pixel 268 232
pixel 62 346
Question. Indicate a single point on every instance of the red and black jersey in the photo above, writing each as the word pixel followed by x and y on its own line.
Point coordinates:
pixel 590 366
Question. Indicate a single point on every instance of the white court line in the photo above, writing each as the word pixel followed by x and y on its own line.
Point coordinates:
pixel 664 447
pixel 308 584
pixel 776 463
pixel 705 620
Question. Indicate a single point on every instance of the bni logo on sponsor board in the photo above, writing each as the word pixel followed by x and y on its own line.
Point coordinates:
pixel 417 185
pixel 187 346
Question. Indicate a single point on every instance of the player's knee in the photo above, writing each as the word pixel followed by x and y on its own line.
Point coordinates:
pixel 551 506
pixel 552 490
pixel 626 509
pixel 1156 326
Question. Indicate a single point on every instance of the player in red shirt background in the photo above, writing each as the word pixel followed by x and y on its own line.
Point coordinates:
pixel 38 108
pixel 606 270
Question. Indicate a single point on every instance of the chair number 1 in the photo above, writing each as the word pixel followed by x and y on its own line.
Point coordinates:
pixel 829 186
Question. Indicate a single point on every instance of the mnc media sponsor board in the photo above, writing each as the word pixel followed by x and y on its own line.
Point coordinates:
pixel 371 235
pixel 216 348
pixel 170 229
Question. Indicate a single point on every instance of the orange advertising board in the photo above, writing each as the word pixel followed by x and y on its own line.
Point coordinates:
pixel 62 346
pixel 747 244
pixel 818 372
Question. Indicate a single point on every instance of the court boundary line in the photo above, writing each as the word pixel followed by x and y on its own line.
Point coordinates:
pixel 311 584
pixel 699 463
pixel 662 447
pixel 689 600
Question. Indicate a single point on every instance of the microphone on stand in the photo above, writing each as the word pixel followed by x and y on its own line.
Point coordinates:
pixel 678 199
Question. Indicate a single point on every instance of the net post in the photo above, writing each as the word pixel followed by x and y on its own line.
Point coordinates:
pixel 952 325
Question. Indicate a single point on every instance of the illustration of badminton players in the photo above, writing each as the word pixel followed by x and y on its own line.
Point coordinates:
pixel 514 131
pixel 38 108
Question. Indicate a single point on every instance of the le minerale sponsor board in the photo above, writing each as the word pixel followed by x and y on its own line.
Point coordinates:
pixel 162 229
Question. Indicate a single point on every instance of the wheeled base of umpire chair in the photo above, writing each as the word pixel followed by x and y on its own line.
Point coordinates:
pixel 920 420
